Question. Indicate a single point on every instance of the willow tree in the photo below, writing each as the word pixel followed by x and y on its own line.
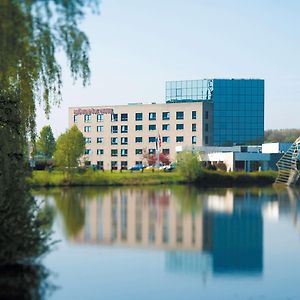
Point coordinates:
pixel 31 33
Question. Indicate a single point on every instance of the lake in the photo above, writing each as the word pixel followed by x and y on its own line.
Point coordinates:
pixel 175 242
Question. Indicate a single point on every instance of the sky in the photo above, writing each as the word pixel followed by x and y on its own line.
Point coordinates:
pixel 137 45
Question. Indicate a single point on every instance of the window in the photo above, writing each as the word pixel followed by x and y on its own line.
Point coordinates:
pixel 138 116
pixel 124 129
pixel 114 152
pixel 194 139
pixel 88 140
pixel 206 140
pixel 138 139
pixel 166 115
pixel 87 118
pixel 138 127
pixel 124 165
pixel 124 117
pixel 165 126
pixel 152 127
pixel 194 115
pixel 100 165
pixel 138 162
pixel 100 151
pixel 206 127
pixel 114 165
pixel 166 151
pixel 100 128
pixel 179 139
pixel 152 151
pixel 124 140
pixel 179 115
pixel 152 139
pixel 114 129
pixel 114 141
pixel 99 140
pixel 194 127
pixel 206 115
pixel 100 118
pixel 87 128
pixel 114 117
pixel 124 152
pixel 152 116
pixel 166 139
pixel 179 126
pixel 75 118
pixel 138 151
pixel 88 151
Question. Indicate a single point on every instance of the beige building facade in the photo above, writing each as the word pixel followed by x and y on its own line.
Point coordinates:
pixel 120 136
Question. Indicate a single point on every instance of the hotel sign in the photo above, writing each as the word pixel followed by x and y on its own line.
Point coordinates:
pixel 93 111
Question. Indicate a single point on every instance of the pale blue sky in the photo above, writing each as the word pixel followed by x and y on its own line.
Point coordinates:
pixel 137 45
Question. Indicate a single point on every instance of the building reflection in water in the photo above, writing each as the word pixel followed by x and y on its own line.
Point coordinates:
pixel 217 231
pixel 141 218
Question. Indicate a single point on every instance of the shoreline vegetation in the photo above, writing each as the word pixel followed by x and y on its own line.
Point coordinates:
pixel 206 178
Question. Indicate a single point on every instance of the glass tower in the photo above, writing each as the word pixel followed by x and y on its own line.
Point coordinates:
pixel 238 107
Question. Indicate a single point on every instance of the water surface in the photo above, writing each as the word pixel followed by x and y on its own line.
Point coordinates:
pixel 175 243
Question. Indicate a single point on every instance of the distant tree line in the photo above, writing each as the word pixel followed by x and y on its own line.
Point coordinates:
pixel 281 135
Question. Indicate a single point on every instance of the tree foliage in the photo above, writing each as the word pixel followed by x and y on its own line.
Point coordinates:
pixel 69 148
pixel 281 135
pixel 31 33
pixel 46 142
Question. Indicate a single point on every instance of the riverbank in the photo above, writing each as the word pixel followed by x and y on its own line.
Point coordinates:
pixel 99 178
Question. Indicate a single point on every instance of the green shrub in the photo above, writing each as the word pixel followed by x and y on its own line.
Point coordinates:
pixel 189 166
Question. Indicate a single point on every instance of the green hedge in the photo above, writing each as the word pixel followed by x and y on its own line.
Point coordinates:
pixel 231 179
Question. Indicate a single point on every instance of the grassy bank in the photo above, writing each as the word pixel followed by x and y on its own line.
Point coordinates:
pixel 99 178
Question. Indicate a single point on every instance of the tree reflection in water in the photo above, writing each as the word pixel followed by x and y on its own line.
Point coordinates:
pixel 23 281
pixel 25 237
pixel 71 204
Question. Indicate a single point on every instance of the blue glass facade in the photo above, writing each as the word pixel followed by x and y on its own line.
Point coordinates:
pixel 238 107
pixel 238 115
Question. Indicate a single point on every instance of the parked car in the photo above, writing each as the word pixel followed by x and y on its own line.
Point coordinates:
pixel 137 168
pixel 168 168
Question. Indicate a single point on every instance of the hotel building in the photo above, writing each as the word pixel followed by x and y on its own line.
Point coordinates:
pixel 214 112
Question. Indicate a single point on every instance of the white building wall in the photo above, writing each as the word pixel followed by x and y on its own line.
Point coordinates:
pixel 275 147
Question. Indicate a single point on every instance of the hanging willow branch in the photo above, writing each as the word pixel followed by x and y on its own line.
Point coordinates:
pixel 31 34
